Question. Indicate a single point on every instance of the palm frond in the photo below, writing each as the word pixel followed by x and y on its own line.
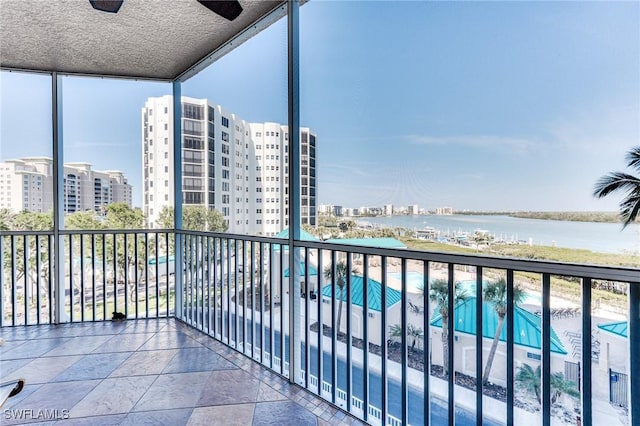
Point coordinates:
pixel 633 158
pixel 630 207
pixel 615 181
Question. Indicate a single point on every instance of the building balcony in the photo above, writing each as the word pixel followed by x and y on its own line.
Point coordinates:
pixel 204 309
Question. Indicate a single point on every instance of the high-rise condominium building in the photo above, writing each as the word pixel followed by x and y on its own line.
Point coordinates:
pixel 236 167
pixel 27 184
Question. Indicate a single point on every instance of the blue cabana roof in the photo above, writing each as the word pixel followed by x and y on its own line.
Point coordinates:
pixel 369 242
pixel 527 326
pixel 304 235
pixel 374 293
pixel 618 328
pixel 312 270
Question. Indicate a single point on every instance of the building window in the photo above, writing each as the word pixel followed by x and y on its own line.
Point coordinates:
pixel 225 122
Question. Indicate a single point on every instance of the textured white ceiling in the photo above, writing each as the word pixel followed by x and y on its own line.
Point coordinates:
pixel 157 39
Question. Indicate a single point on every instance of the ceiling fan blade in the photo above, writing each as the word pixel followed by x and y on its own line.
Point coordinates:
pixel 227 9
pixel 111 6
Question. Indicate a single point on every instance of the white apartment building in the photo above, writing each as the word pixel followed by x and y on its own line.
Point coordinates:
pixel 388 209
pixel 444 210
pixel 236 167
pixel 412 209
pixel 27 184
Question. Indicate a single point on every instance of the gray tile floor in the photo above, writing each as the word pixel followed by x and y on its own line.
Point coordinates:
pixel 146 372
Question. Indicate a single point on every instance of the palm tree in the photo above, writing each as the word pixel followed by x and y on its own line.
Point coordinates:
pixel 559 386
pixel 414 334
pixel 619 181
pixel 340 280
pixel 529 379
pixel 439 294
pixel 496 294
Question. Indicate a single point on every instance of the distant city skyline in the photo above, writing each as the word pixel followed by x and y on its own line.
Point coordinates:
pixel 497 105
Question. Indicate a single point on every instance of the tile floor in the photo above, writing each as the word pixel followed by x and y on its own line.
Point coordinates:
pixel 151 372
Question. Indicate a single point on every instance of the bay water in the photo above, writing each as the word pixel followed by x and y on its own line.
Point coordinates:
pixel 594 236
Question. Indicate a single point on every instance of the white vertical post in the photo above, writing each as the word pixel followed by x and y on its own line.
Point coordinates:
pixel 177 194
pixel 294 188
pixel 60 315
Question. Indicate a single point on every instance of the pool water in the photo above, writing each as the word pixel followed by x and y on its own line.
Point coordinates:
pixel 415 281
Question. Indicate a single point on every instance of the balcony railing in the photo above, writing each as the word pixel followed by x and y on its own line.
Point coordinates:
pixel 103 272
pixel 360 332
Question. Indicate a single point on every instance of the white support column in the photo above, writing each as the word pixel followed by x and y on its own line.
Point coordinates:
pixel 58 296
pixel 293 62
pixel 177 193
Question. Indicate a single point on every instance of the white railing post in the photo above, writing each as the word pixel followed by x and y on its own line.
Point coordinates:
pixel 60 314
pixel 294 188
pixel 177 195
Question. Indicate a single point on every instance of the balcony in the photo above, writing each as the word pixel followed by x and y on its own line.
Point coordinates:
pixel 283 330
pixel 139 371
pixel 236 300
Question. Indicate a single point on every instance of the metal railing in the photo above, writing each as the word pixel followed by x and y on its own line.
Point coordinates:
pixel 235 288
pixel 126 271
pixel 352 302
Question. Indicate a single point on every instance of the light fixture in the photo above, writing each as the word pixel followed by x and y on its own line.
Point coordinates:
pixel 227 9
pixel 111 6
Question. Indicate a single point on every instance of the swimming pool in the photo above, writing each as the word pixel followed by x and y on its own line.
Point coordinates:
pixel 415 281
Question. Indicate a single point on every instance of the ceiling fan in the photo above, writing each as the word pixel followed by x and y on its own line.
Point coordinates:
pixel 229 10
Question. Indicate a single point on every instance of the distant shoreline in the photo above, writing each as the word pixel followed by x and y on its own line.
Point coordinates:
pixel 599 217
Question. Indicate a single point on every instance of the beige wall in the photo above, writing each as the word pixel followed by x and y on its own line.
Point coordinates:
pixel 465 356
pixel 374 325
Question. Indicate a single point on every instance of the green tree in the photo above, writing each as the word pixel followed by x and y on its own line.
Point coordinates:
pixel 414 334
pixel 126 262
pixel 495 293
pixel 194 218
pixel 6 219
pixel 37 249
pixel 121 216
pixel 620 181
pixel 529 379
pixel 33 221
pixel 339 280
pixel 82 221
pixel 439 294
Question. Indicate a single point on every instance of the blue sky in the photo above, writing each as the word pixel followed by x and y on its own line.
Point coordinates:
pixel 476 105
